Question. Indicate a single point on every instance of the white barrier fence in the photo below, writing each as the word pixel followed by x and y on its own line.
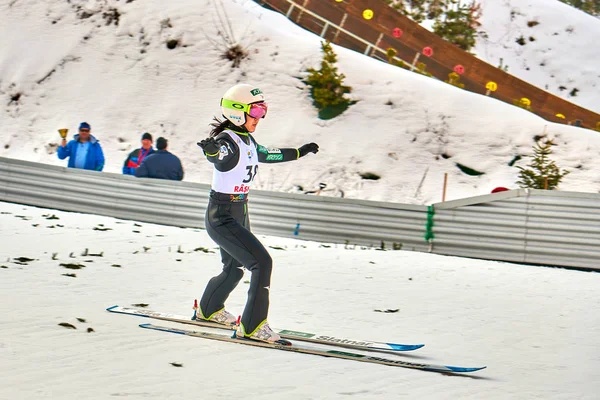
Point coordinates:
pixel 184 204
pixel 530 226
pixel 527 226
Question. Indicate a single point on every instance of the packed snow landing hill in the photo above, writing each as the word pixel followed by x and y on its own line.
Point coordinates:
pixel 534 328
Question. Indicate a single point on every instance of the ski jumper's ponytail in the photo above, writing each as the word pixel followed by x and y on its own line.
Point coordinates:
pixel 219 126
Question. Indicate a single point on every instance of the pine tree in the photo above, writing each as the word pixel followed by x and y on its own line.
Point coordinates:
pixel 327 88
pixel 417 10
pixel 542 173
pixel 454 21
pixel 436 8
pixel 460 24
pixel 420 10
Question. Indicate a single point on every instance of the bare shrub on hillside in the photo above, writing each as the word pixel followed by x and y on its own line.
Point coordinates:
pixel 226 43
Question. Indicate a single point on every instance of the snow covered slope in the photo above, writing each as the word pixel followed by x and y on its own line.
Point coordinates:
pixel 535 328
pixel 559 50
pixel 62 63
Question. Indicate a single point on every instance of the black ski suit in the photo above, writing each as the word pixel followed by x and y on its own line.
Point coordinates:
pixel 228 225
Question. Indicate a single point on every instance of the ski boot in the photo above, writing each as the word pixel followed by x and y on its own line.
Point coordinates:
pixel 221 317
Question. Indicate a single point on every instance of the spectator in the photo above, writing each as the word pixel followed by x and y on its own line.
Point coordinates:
pixel 84 151
pixel 135 158
pixel 161 164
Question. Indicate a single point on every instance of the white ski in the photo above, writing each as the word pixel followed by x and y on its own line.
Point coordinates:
pixel 284 333
pixel 305 349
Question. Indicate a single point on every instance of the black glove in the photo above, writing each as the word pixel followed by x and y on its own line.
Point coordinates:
pixel 209 145
pixel 308 148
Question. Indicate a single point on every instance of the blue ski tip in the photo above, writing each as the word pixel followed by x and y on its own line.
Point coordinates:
pixel 464 369
pixel 110 308
pixel 145 325
pixel 404 347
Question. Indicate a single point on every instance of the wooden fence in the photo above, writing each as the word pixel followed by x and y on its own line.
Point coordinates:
pixel 373 36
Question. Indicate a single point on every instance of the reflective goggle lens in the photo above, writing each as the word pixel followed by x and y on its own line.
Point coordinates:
pixel 258 110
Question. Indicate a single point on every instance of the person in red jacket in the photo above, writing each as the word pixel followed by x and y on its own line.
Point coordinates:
pixel 161 164
pixel 135 158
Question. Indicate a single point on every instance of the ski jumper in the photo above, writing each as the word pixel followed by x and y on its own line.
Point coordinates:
pixel 227 223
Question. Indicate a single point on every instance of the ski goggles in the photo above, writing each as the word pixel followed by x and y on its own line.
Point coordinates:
pixel 255 110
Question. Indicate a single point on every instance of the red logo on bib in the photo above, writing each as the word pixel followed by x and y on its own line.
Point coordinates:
pixel 241 189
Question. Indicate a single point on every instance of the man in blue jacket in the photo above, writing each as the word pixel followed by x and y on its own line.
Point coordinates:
pixel 161 164
pixel 84 151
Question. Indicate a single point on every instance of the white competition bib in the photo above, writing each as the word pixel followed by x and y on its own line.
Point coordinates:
pixel 239 179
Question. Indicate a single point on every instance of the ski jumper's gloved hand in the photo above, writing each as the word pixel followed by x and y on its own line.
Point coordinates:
pixel 307 148
pixel 210 146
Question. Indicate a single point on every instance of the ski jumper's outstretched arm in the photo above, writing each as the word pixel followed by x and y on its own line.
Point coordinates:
pixel 224 153
pixel 277 155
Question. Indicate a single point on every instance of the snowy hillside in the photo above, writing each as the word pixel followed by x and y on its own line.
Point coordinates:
pixel 535 328
pixel 108 63
pixel 546 43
